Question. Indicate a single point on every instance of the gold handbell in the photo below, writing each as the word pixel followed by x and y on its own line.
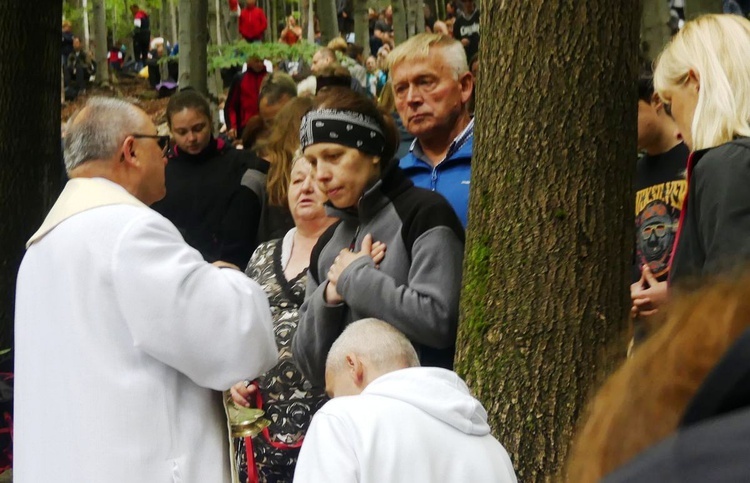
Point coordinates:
pixel 246 422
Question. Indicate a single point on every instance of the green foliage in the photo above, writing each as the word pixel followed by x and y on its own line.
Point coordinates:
pixel 235 54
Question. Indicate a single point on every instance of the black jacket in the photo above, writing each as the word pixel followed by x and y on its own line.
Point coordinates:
pixel 714 231
pixel 215 199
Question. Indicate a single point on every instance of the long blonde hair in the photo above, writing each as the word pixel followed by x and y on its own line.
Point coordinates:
pixel 717 49
pixel 279 148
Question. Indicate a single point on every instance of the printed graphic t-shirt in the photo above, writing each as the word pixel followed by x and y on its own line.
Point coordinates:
pixel 660 187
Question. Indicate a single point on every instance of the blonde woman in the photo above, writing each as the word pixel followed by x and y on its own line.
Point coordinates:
pixel 703 77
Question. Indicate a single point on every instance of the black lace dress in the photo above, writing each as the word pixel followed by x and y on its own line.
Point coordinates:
pixel 288 398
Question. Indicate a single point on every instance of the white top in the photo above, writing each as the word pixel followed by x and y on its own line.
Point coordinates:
pixel 123 336
pixel 408 426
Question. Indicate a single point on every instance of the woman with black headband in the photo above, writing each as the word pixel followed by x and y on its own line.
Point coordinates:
pixel 396 252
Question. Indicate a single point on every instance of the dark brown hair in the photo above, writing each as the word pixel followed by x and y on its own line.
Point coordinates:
pixel 187 99
pixel 345 99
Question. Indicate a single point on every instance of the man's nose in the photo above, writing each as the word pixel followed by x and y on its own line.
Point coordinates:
pixel 413 94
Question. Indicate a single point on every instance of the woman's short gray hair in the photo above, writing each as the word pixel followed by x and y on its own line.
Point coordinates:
pixel 97 130
pixel 381 344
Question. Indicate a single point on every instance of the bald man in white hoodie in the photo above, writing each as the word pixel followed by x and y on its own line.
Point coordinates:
pixel 393 421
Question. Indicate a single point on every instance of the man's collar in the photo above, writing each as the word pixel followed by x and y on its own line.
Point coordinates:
pixel 456 144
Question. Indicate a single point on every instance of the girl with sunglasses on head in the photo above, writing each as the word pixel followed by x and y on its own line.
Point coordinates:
pixel 214 191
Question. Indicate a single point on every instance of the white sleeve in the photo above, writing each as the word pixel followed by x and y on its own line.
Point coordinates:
pixel 137 22
pixel 213 325
pixel 327 453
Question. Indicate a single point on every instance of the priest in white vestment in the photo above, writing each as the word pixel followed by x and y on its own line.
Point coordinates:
pixel 123 333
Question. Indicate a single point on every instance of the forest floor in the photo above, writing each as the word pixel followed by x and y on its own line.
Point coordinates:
pixel 135 89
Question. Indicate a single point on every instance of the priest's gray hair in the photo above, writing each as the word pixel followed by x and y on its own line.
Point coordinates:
pixel 383 346
pixel 97 131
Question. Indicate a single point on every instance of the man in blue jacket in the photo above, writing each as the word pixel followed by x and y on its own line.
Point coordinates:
pixel 432 85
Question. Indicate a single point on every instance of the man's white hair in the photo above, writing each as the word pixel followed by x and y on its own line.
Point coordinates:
pixel 383 346
pixel 97 131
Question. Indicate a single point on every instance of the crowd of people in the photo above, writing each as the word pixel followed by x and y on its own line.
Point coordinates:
pixel 306 259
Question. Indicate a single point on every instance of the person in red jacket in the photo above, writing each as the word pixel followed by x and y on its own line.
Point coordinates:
pixel 252 22
pixel 242 99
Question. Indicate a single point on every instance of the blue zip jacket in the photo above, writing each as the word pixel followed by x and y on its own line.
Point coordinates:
pixel 451 178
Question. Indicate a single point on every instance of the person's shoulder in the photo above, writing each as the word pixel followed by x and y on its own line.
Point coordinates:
pixel 422 210
pixel 731 156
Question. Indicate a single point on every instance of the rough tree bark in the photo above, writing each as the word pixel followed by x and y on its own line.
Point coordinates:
pixel 545 292
pixel 329 27
pixel 654 28
pixel 30 178
pixel 694 8
pixel 100 36
pixel 361 26
pixel 399 21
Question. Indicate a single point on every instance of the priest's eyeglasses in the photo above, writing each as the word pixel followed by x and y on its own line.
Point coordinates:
pixel 162 141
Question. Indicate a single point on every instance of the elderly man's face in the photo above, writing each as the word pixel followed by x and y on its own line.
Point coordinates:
pixel 152 160
pixel 429 98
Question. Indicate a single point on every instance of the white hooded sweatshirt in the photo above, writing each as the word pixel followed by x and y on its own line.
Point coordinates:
pixel 412 425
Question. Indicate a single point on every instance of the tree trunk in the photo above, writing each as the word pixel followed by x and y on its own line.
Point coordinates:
pixel 185 78
pixel 173 18
pixel 654 28
pixel 545 291
pixel 215 85
pixel 361 26
pixel 694 8
pixel 399 21
pixel 420 17
pixel 100 36
pixel 411 17
pixel 199 46
pixel 329 27
pixel 30 126
pixel 86 31
pixel 309 27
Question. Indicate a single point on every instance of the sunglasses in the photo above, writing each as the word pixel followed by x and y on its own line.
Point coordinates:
pixel 162 141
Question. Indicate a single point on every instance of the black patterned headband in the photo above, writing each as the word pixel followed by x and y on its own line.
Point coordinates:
pixel 347 128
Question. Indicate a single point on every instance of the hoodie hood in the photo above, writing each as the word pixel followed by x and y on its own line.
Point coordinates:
pixel 436 391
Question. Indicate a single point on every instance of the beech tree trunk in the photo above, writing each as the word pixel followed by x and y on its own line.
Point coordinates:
pixel 361 26
pixel 399 21
pixel 100 36
pixel 30 128
pixel 173 19
pixel 215 85
pixel 410 7
pixel 654 28
pixel 419 20
pixel 185 40
pixel 86 31
pixel 329 27
pixel 199 46
pixel 545 291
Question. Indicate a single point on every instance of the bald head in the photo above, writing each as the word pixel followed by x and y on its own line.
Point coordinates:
pixel 97 131
pixel 366 350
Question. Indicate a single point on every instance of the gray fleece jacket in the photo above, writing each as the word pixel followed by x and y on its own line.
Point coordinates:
pixel 415 289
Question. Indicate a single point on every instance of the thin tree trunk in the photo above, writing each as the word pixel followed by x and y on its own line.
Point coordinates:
pixel 185 40
pixel 199 46
pixel 694 8
pixel 310 21
pixel 654 28
pixel 100 36
pixel 361 26
pixel 420 17
pixel 215 85
pixel 329 27
pixel 173 18
pixel 399 21
pixel 411 17
pixel 545 291
pixel 86 31
pixel 30 126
